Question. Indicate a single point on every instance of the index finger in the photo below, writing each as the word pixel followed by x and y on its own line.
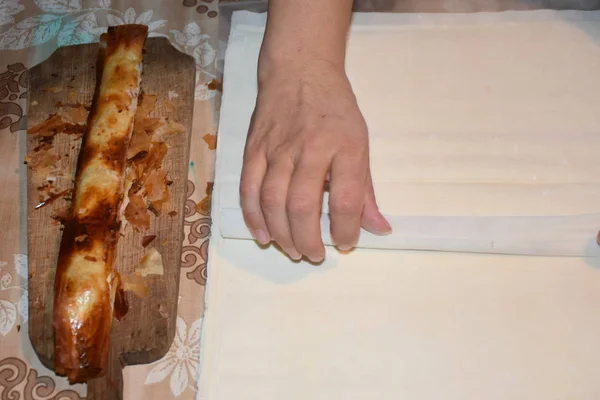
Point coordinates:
pixel 253 172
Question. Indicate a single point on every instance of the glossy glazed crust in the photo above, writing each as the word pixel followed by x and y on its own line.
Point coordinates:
pixel 86 284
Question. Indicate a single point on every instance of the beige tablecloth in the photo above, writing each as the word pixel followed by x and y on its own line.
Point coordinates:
pixel 30 30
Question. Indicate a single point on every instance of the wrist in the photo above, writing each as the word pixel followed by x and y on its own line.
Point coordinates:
pixel 299 64
pixel 304 37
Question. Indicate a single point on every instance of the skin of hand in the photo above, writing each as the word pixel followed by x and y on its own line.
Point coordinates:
pixel 307 128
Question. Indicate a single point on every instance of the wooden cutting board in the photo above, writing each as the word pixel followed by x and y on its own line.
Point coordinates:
pixel 145 334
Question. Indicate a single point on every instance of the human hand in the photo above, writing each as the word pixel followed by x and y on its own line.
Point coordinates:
pixel 306 127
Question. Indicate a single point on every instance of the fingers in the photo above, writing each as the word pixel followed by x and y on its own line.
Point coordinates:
pixel 304 203
pixel 347 196
pixel 284 205
pixel 253 172
pixel 273 196
pixel 372 220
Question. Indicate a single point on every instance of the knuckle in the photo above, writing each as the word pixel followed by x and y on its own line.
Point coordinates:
pixel 253 218
pixel 248 189
pixel 258 124
pixel 258 135
pixel 346 204
pixel 279 154
pixel 271 197
pixel 255 147
pixel 355 148
pixel 312 142
pixel 300 206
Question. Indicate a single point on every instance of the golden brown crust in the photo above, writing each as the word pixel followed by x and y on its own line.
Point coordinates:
pixel 130 38
pixel 86 285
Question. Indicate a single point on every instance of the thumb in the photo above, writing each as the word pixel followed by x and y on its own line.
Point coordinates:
pixel 372 220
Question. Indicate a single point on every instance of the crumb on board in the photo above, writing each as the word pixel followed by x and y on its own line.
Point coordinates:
pixel 135 284
pixel 72 96
pixel 149 185
pixel 44 143
pixel 76 114
pixel 172 94
pixel 58 123
pixel 146 104
pixel 151 263
pixel 136 212
pixel 162 311
pixel 169 106
pixel 52 89
pixel 46 190
pixel 42 162
pixel 37 303
pixel 146 240
pixel 171 128
pixel 139 144
pixel 157 191
pixel 61 216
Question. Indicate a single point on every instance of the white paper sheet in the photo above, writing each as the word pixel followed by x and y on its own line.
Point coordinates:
pixel 559 236
pixel 469 115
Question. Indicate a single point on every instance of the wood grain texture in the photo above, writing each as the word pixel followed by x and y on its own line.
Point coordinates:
pixel 146 332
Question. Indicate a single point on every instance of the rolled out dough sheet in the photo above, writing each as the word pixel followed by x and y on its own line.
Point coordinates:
pixel 469 115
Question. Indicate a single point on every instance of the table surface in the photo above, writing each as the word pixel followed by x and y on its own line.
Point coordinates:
pixel 29 32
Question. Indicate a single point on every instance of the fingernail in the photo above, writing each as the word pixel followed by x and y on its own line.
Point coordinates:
pixel 294 254
pixel 388 230
pixel 261 236
pixel 345 247
pixel 316 260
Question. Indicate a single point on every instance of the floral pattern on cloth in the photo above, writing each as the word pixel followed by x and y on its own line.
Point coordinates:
pixel 13 295
pixel 12 97
pixel 30 30
pixel 197 229
pixel 25 375
pixel 8 8
pixel 19 379
pixel 182 361
pixel 70 22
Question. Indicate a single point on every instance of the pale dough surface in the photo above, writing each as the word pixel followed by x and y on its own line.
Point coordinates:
pixel 493 114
